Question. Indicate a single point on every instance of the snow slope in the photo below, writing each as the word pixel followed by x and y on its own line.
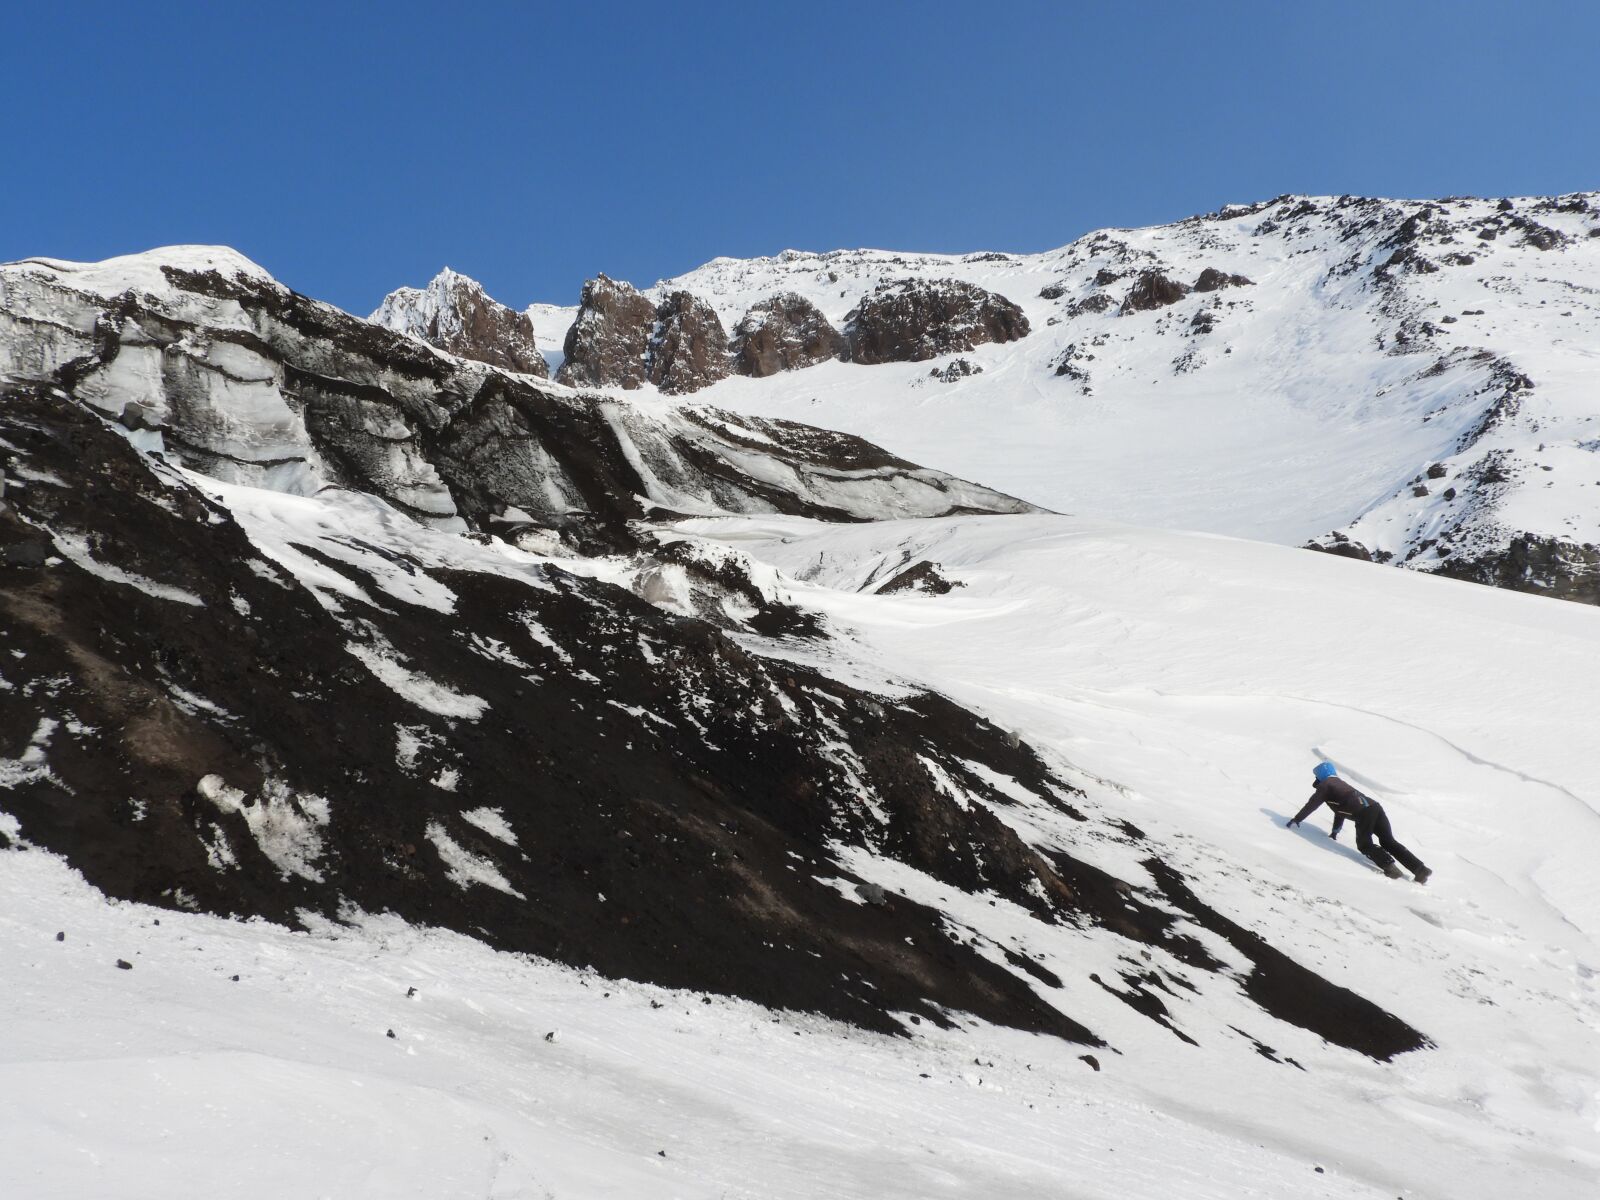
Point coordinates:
pixel 1183 683
pixel 1374 339
pixel 1200 678
pixel 1191 680
pixel 242 1060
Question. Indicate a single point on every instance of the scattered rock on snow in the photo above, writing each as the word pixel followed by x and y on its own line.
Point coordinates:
pixel 959 369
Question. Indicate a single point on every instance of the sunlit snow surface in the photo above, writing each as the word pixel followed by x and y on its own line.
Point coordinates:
pixel 1297 414
pixel 1192 680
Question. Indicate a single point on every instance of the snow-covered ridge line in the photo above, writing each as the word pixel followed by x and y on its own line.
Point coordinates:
pixel 200 352
pixel 1409 381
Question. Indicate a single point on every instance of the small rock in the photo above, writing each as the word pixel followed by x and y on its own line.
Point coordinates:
pixel 124 965
pixel 62 936
pixel 235 978
pixel 551 1036
pixel 1152 290
pixel 1212 280
pixel 391 1033
pixel 25 554
pixel 1091 1060
pixel 410 992
pixel 872 893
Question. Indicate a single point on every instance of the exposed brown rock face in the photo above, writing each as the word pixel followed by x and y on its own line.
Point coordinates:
pixel 608 345
pixel 1212 280
pixel 689 348
pixel 1544 566
pixel 917 319
pixel 455 314
pixel 1152 290
pixel 784 333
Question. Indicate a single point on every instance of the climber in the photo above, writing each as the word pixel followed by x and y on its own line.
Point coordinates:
pixel 1370 822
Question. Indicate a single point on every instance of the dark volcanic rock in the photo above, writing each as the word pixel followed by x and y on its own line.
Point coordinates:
pixel 959 369
pixel 454 314
pixel 922 577
pixel 1152 290
pixel 689 348
pixel 784 333
pixel 912 320
pixel 1211 280
pixel 1099 302
pixel 1339 544
pixel 609 341
pixel 1544 566
pixel 284 792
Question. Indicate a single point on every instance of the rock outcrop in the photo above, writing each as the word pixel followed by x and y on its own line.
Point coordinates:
pixel 912 320
pixel 455 314
pixel 688 348
pixel 609 342
pixel 1213 280
pixel 1543 566
pixel 1152 290
pixel 784 333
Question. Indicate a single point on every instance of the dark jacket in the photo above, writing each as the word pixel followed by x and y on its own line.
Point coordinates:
pixel 1344 800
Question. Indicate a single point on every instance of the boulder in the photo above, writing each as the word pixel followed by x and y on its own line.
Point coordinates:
pixel 1212 280
pixel 1150 291
pixel 912 320
pixel 784 333
pixel 608 344
pixel 689 348
pixel 455 314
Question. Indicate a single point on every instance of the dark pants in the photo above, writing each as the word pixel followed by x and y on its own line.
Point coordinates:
pixel 1373 822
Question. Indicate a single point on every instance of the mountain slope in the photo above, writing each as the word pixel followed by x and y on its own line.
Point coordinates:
pixel 1412 381
pixel 1160 662
pixel 586 737
pixel 306 622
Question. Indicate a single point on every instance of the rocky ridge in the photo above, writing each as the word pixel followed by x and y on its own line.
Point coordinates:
pixel 455 314
pixel 1406 377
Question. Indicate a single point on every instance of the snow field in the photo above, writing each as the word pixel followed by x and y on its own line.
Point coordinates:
pixel 173 1080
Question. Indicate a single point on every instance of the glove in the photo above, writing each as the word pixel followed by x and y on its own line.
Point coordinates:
pixel 1293 824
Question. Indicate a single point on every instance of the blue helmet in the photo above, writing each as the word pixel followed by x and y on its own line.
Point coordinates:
pixel 1324 770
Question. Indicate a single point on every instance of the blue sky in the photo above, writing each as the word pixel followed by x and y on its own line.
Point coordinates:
pixel 352 148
